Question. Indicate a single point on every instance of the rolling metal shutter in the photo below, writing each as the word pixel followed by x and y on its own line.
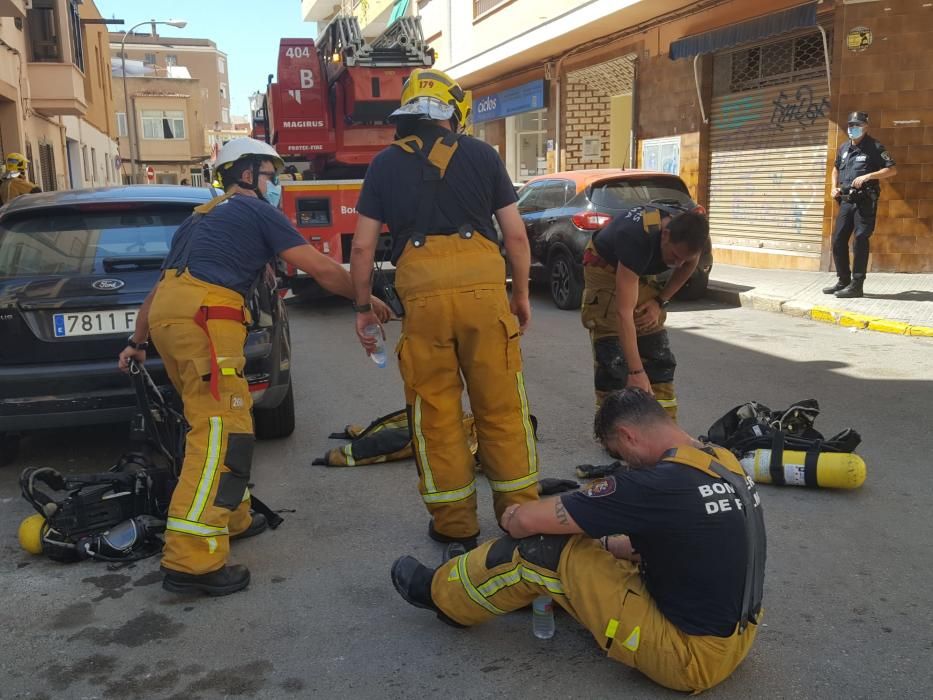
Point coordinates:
pixel 768 132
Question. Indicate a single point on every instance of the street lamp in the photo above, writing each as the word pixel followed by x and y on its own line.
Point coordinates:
pixel 130 112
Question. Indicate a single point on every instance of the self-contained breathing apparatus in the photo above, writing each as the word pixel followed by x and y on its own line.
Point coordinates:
pixel 118 515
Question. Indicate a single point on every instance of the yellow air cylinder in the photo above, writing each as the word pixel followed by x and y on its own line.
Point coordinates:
pixel 826 470
pixel 30 533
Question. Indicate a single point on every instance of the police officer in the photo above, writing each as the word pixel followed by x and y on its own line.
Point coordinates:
pixel 860 163
pixel 624 306
pixel 198 318
pixel 663 563
pixel 14 182
pixel 437 191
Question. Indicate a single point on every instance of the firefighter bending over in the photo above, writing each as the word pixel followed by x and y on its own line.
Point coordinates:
pixel 624 306
pixel 198 319
pixel 14 182
pixel 672 588
pixel 437 190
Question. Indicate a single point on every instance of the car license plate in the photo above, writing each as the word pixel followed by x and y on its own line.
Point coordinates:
pixel 105 322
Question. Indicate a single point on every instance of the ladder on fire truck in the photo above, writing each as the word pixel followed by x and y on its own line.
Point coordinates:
pixel 402 44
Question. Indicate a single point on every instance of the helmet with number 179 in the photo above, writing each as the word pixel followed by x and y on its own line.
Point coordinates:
pixel 432 94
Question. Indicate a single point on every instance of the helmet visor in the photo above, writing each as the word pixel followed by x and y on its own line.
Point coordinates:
pixel 424 107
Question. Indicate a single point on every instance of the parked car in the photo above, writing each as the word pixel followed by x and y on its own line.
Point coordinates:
pixel 562 211
pixel 74 268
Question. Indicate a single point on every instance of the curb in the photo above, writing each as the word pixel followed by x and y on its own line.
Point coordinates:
pixel 730 294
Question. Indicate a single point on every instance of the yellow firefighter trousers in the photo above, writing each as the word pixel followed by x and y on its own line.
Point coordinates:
pixel 604 594
pixel 211 500
pixel 458 322
pixel 600 317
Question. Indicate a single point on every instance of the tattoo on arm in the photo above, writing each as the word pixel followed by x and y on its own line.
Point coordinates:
pixel 560 512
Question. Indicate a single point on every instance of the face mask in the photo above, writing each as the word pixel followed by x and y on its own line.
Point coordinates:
pixel 856 132
pixel 273 193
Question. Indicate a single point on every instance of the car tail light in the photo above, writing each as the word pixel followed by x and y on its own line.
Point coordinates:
pixel 590 220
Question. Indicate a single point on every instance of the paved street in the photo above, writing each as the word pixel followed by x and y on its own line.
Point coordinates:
pixel 849 603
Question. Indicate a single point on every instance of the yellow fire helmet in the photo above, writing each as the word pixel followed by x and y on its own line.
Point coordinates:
pixel 432 94
pixel 30 533
pixel 16 162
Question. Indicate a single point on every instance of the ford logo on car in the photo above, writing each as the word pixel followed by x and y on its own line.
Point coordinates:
pixel 108 285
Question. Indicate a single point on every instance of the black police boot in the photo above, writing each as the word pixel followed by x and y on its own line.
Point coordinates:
pixel 468 542
pixel 224 581
pixel 412 580
pixel 853 290
pixel 257 525
pixel 838 287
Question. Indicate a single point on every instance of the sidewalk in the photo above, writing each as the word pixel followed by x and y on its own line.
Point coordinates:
pixel 893 303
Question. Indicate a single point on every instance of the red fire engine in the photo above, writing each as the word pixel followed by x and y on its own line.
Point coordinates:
pixel 326 115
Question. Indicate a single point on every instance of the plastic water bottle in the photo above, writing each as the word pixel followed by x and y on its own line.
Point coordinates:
pixel 542 617
pixel 379 354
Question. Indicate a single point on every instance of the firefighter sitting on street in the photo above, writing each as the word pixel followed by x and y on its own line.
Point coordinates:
pixel 198 320
pixel 624 306
pixel 437 190
pixel 14 182
pixel 662 563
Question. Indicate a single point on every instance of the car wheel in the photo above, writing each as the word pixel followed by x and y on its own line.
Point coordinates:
pixel 695 287
pixel 566 287
pixel 277 422
pixel 9 448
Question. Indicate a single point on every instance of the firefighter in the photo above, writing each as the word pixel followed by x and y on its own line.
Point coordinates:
pixel 437 190
pixel 860 164
pixel 662 563
pixel 14 182
pixel 198 318
pixel 624 306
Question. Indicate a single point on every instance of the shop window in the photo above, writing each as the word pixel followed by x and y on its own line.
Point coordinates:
pixel 773 63
pixel 163 125
pixel 531 142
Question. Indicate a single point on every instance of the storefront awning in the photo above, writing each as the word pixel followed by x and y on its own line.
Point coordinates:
pixel 753 30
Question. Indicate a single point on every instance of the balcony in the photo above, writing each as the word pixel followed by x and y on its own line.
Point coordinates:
pixel 13 8
pixel 57 89
pixel 374 17
pixel 319 10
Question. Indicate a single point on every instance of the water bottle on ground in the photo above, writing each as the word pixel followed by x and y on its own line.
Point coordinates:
pixel 379 354
pixel 542 617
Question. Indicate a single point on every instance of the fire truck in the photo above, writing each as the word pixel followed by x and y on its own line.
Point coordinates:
pixel 326 114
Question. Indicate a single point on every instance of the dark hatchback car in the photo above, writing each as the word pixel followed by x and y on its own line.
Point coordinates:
pixel 74 268
pixel 562 211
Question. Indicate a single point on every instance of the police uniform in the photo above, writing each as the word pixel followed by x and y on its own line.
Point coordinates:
pixel 633 240
pixel 437 192
pixel 198 321
pixel 852 161
pixel 686 616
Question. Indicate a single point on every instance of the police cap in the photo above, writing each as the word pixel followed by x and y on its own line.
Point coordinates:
pixel 858 118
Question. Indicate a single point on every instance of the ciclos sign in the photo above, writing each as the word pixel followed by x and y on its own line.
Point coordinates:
pixel 523 98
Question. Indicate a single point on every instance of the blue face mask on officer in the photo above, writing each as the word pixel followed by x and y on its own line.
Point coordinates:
pixel 856 131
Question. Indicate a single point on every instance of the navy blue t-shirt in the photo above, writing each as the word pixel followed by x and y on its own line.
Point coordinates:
pixel 690 532
pixel 231 244
pixel 476 185
pixel 624 241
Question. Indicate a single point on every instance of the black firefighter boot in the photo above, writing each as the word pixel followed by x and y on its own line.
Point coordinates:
pixel 853 290
pixel 838 287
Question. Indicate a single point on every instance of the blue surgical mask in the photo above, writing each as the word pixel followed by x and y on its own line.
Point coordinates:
pixel 273 193
pixel 856 132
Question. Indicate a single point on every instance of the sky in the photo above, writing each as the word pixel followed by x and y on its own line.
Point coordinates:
pixel 246 30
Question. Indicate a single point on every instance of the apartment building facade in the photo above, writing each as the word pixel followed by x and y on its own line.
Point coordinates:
pixel 747 102
pixel 56 102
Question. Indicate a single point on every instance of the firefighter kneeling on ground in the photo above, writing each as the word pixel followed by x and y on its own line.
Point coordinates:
pixel 663 563
pixel 624 306
pixel 198 318
pixel 14 182
pixel 437 190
